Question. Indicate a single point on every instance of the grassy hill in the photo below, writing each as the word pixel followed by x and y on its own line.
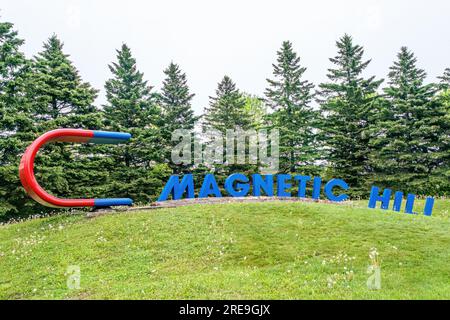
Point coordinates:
pixel 257 250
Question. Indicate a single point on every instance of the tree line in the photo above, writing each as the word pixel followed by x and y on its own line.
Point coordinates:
pixel 392 132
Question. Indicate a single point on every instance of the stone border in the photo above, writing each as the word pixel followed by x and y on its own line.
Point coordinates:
pixel 193 201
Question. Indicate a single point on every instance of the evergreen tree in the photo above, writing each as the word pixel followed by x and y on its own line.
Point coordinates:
pixel 49 95
pixel 132 108
pixel 16 122
pixel 413 139
pixel 15 119
pixel 227 109
pixel 441 174
pixel 445 79
pixel 177 113
pixel 61 99
pixel 290 97
pixel 347 102
pixel 256 108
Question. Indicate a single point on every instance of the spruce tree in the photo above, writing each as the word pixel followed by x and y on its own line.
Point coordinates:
pixel 256 108
pixel 445 79
pixel 16 121
pixel 290 98
pixel 61 99
pixel 347 102
pixel 441 174
pixel 177 113
pixel 413 139
pixel 50 95
pixel 227 109
pixel 132 108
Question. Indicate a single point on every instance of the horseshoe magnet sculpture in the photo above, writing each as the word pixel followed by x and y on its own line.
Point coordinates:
pixel 32 187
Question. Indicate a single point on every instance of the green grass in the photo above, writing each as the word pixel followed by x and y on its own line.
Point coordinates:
pixel 272 250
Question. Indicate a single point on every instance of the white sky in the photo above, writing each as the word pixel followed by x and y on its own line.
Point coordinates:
pixel 239 38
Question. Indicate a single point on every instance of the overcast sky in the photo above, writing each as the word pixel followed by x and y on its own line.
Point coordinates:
pixel 240 38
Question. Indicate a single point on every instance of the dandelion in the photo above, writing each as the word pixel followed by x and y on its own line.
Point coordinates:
pixel 349 275
pixel 331 282
pixel 374 280
pixel 373 255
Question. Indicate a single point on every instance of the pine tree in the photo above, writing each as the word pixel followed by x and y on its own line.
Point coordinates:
pixel 256 108
pixel 16 125
pixel 61 99
pixel 290 97
pixel 50 95
pixel 445 79
pixel 177 113
pixel 347 102
pixel 15 119
pixel 413 139
pixel 227 109
pixel 441 174
pixel 176 100
pixel 132 108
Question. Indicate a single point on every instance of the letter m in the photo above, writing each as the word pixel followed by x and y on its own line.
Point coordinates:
pixel 176 189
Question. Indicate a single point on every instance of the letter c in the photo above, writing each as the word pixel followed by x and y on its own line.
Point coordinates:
pixel 329 190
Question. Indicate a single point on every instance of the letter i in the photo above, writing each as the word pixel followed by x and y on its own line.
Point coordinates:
pixel 317 182
pixel 398 198
pixel 428 206
pixel 410 203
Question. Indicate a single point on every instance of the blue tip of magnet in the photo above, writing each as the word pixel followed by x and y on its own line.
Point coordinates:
pixel 113 202
pixel 107 137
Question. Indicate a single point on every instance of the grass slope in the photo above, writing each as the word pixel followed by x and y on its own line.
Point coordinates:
pixel 230 251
